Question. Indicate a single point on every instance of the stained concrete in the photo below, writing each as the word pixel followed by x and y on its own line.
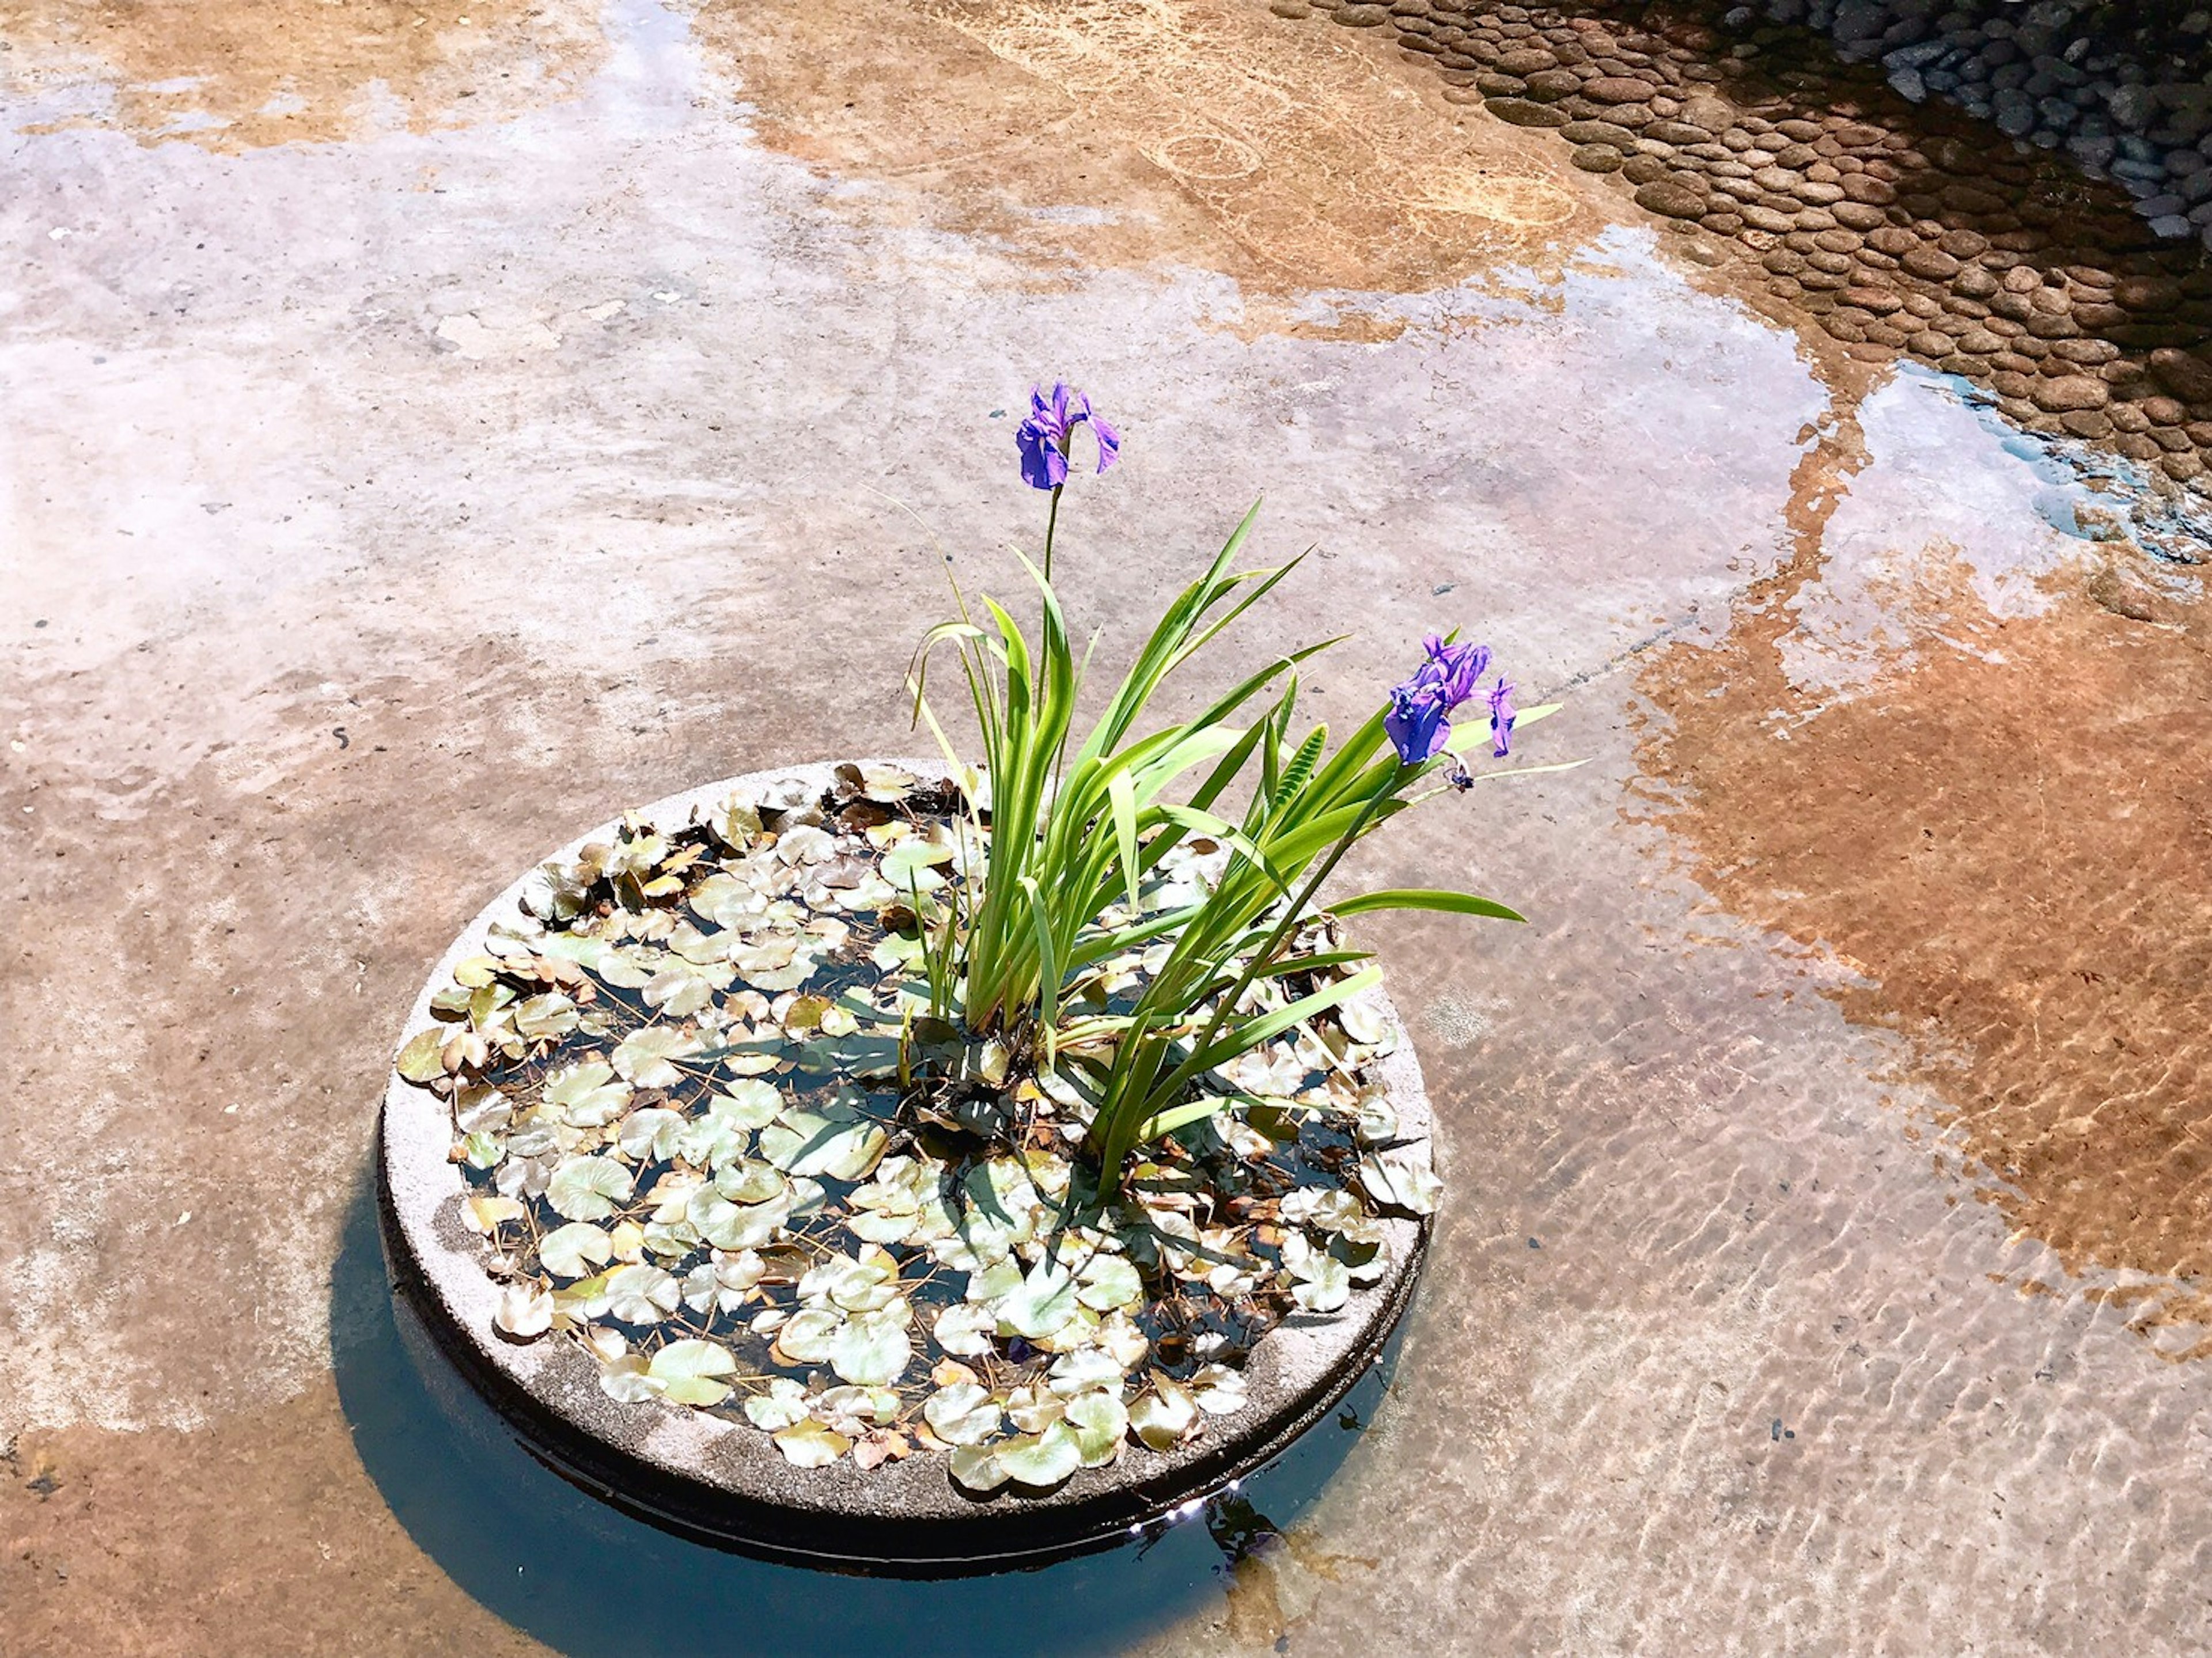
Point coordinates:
pixel 388 499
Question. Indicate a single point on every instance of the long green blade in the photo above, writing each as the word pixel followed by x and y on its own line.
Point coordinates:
pixel 1456 903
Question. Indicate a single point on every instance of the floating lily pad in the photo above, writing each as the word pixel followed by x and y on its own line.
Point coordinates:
pixel 576 1250
pixel 809 1444
pixel 1164 1416
pixel 648 1057
pixel 1041 1460
pixel 588 1188
pixel 963 1414
pixel 690 1371
pixel 1401 1179
pixel 1040 1305
pixel 784 1404
pixel 525 1311
pixel 1099 1423
pixel 873 1350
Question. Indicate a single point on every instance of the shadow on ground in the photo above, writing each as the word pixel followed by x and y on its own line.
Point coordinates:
pixel 587 1579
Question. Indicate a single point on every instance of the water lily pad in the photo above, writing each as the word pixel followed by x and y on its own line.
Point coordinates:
pixel 915 863
pixel 809 1444
pixel 977 1468
pixel 1119 1335
pixel 1324 1286
pixel 627 1379
pixel 1163 1415
pixel 728 1225
pixel 419 1061
pixel 648 1057
pixel 1218 1390
pixel 588 1188
pixel 783 1404
pixel 546 1018
pixel 682 988
pixel 1401 1178
pixel 480 1108
pixel 1042 1459
pixel 1328 1207
pixel 811 1334
pixel 1378 1120
pixel 963 1414
pixel 576 1250
pixel 810 1143
pixel 871 1350
pixel 690 1371
pixel 586 1096
pixel 1108 1282
pixel 525 1311
pixel 1100 1424
pixel 1032 1409
pixel 643 1295
pixel 1085 1369
pixel 861 1285
pixel 651 1133
pixel 1040 1305
pixel 966 1330
pixel 488 1211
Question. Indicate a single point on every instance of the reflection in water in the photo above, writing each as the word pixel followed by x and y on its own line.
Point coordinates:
pixel 1971 769
pixel 587 1579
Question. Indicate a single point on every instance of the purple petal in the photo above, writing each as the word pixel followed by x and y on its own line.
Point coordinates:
pixel 1458 667
pixel 1109 441
pixel 1044 466
pixel 1501 718
pixel 1418 722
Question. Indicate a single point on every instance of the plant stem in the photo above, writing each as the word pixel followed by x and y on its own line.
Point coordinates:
pixel 1051 522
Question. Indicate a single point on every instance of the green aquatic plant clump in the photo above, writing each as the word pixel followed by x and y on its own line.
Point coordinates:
pixel 1073 826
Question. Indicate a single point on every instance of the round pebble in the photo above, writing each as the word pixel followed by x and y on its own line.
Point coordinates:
pixel 2067 392
pixel 1596 158
pixel 1616 89
pixel 1672 200
pixel 1876 302
pixel 1931 264
pixel 2189 378
pixel 1522 113
pixel 1598 132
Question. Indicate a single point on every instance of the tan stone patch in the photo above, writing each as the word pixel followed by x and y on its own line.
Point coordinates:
pixel 264 1536
pixel 2010 837
pixel 238 75
pixel 1206 132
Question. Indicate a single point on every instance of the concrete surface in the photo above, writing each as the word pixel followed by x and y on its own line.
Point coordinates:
pixel 397 479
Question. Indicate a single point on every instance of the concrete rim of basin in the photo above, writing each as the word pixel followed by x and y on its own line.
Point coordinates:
pixel 724 1482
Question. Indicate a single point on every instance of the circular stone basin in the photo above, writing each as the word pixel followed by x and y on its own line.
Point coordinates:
pixel 724 1482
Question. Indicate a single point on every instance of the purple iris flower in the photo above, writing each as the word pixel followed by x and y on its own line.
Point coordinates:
pixel 1501 717
pixel 1457 666
pixel 1419 720
pixel 1044 437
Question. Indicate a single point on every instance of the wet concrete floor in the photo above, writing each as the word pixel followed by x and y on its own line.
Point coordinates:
pixel 431 429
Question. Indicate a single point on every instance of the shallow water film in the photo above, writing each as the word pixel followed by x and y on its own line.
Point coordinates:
pixel 432 428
